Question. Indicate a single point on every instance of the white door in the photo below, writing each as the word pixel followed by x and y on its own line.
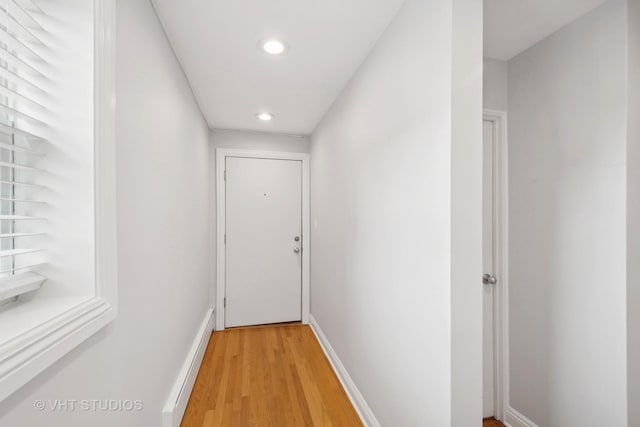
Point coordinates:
pixel 263 241
pixel 487 260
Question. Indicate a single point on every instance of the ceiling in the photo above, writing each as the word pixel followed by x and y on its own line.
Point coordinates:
pixel 512 26
pixel 216 41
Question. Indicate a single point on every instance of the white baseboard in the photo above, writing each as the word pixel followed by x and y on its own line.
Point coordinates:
pixel 513 418
pixel 364 411
pixel 179 397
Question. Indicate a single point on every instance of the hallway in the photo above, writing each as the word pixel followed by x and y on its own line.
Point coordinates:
pixel 274 375
pixel 378 213
pixel 269 375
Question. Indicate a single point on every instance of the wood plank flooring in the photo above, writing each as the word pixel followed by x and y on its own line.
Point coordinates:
pixel 268 376
pixel 491 422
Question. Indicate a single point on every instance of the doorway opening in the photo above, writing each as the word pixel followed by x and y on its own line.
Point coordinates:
pixel 495 274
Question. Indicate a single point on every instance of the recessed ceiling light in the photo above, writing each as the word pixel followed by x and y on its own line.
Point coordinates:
pixel 273 46
pixel 265 117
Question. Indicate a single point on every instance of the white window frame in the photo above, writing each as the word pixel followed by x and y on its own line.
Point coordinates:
pixel 28 354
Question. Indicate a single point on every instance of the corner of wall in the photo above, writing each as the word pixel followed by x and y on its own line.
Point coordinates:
pixel 466 221
pixel 633 213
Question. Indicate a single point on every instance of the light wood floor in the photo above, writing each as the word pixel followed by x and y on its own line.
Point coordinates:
pixel 492 422
pixel 267 376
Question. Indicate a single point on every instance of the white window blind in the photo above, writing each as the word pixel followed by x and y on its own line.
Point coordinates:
pixel 23 76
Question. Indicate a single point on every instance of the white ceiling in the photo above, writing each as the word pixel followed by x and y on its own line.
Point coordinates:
pixel 216 42
pixel 512 26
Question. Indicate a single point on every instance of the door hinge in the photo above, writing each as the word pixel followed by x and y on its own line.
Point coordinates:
pixel 225 302
pixel 225 238
pixel 225 175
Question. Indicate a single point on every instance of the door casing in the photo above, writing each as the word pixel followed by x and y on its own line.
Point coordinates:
pixel 220 285
pixel 501 260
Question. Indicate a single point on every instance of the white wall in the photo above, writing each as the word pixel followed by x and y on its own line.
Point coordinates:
pixel 162 161
pixel 495 84
pixel 381 183
pixel 633 212
pixel 242 141
pixel 466 214
pixel 261 141
pixel 567 154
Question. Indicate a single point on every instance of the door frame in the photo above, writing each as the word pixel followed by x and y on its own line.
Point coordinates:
pixel 500 259
pixel 220 285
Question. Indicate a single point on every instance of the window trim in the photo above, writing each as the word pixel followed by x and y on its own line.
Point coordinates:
pixel 27 355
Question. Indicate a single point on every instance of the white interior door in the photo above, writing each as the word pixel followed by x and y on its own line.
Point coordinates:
pixel 263 257
pixel 488 265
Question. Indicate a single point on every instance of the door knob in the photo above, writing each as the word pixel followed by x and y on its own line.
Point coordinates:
pixel 489 279
pixel 296 250
pixel 297 238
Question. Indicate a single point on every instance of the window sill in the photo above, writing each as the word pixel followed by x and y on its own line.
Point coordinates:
pixel 31 312
pixel 26 355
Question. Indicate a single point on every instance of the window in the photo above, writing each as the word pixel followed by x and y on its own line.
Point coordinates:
pixel 57 181
pixel 21 199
